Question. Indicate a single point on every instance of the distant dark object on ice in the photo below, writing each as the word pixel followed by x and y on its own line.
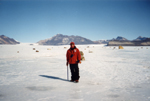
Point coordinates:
pixel 7 40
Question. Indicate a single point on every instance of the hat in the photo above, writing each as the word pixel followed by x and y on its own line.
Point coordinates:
pixel 72 43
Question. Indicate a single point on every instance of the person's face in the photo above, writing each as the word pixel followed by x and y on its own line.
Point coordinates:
pixel 72 45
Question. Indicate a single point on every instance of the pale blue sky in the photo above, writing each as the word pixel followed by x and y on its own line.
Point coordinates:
pixel 34 20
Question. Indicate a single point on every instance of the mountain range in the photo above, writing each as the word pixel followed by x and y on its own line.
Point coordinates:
pixel 140 38
pixel 6 40
pixel 140 41
pixel 61 39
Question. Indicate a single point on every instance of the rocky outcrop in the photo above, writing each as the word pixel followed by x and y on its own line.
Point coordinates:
pixel 7 40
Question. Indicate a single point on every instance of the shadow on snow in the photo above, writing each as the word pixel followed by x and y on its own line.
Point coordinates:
pixel 53 77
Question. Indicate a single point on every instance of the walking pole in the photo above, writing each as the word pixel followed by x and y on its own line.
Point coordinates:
pixel 67 74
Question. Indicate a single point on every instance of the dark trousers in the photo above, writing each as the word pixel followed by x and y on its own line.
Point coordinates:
pixel 74 72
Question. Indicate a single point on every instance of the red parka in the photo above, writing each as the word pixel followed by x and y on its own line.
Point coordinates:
pixel 73 55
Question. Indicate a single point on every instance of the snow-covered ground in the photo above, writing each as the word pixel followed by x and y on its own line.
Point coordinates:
pixel 107 74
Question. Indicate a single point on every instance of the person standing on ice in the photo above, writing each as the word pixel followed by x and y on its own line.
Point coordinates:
pixel 73 58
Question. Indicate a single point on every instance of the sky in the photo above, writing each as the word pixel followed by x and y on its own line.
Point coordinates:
pixel 35 20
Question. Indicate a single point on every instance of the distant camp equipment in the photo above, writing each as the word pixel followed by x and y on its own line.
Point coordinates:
pixel 120 47
pixel 82 56
pixel 37 51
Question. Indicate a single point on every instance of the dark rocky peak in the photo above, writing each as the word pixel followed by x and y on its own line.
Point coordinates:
pixel 140 38
pixel 119 38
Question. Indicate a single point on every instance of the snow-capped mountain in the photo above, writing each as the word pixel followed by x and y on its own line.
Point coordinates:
pixel 119 38
pixel 6 40
pixel 140 38
pixel 60 39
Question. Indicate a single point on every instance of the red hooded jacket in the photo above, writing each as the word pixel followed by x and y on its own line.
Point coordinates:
pixel 73 55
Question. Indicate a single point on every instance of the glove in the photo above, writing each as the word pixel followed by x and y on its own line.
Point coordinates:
pixel 78 61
